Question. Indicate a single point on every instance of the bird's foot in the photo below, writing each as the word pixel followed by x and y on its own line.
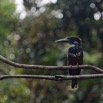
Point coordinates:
pixel 77 65
pixel 71 66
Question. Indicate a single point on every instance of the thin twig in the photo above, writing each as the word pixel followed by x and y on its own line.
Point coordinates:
pixel 56 78
pixel 42 67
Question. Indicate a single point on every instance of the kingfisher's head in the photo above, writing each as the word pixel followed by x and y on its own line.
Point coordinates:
pixel 72 40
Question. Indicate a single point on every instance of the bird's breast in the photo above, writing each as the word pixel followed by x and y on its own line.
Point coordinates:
pixel 75 56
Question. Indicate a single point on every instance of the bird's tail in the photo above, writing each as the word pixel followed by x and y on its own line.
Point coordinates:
pixel 74 83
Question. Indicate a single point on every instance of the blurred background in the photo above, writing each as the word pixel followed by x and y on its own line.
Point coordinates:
pixel 28 29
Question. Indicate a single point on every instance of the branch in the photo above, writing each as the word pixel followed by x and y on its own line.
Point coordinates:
pixel 42 67
pixel 56 78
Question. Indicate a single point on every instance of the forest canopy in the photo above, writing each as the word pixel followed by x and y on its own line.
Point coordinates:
pixel 28 30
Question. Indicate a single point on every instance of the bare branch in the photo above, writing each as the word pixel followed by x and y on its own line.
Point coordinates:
pixel 56 78
pixel 42 67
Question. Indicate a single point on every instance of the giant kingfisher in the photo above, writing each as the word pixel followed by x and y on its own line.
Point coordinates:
pixel 75 56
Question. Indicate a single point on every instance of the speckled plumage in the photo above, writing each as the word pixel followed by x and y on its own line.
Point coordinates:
pixel 75 57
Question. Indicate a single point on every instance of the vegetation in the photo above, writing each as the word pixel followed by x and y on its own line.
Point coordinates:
pixel 31 40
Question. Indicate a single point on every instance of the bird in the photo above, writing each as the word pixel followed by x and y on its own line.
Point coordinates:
pixel 75 56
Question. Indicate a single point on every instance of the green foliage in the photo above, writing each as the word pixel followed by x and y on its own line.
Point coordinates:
pixel 31 40
pixel 12 90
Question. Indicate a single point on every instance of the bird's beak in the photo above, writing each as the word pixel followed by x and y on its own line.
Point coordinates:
pixel 65 40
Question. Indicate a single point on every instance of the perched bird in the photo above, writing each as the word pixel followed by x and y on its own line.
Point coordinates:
pixel 75 56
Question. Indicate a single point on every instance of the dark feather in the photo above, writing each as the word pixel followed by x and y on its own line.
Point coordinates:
pixel 75 57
